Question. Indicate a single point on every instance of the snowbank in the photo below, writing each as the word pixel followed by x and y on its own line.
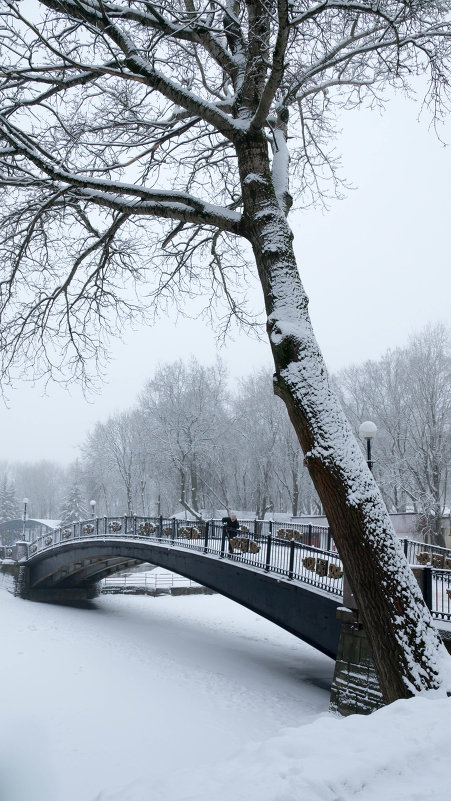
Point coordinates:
pixel 399 753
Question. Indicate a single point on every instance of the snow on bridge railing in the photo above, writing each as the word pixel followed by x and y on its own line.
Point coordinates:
pixel 422 553
pixel 293 551
pixel 287 550
pixel 438 592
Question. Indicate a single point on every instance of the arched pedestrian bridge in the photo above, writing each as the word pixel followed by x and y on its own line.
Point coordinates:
pixel 289 574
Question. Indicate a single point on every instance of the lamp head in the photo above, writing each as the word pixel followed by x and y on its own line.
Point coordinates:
pixel 367 430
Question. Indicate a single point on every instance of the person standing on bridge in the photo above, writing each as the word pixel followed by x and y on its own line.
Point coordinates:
pixel 232 527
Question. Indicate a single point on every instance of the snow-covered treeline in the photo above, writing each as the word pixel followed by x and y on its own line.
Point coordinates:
pixel 407 393
pixel 194 436
pixel 45 483
pixel 198 437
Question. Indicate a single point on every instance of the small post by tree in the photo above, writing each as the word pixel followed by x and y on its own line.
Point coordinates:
pixel 141 145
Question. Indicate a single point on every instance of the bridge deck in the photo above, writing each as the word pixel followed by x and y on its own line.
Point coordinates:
pixel 278 575
pixel 304 611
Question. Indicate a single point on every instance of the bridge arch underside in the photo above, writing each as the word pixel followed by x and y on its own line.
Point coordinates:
pixel 63 572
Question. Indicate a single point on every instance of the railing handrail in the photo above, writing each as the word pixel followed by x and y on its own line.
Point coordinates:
pixel 304 528
pixel 281 550
pixel 290 551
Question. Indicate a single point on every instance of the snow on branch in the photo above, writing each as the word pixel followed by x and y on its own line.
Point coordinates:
pixel 277 69
pixel 281 167
pixel 127 198
pixel 98 16
pixel 196 31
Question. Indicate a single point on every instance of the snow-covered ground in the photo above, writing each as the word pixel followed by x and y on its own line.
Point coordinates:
pixel 194 698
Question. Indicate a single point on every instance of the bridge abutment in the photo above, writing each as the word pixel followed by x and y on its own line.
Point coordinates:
pixel 20 573
pixel 62 595
pixel 355 686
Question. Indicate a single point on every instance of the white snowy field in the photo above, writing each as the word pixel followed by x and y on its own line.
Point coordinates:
pixel 194 698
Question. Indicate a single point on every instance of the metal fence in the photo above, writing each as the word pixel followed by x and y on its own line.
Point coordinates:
pixel 437 592
pixel 6 552
pixel 293 551
pixel 289 550
pixel 420 553
pixel 148 580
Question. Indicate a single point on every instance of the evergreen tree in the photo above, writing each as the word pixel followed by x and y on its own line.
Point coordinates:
pixel 9 507
pixel 73 507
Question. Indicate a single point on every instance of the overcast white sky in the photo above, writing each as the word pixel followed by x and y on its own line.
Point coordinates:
pixel 376 268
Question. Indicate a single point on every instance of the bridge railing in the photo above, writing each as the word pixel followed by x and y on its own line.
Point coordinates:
pixel 421 553
pixel 295 552
pixel 148 580
pixel 309 534
pixel 288 550
pixel 438 592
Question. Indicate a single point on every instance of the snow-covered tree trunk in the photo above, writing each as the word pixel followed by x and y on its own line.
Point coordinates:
pixel 405 644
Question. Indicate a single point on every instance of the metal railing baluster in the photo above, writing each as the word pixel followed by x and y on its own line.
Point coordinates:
pixel 223 538
pixel 268 553
pixel 282 551
pixel 291 565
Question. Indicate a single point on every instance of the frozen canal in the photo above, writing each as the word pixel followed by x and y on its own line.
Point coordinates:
pixel 194 699
pixel 139 688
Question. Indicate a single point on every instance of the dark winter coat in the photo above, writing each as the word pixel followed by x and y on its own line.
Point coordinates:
pixel 231 525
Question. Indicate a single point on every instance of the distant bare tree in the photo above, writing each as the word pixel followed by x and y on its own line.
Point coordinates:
pixel 183 410
pixel 378 391
pixel 43 483
pixel 428 451
pixel 113 450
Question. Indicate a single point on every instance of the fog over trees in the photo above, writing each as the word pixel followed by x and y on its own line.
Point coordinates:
pixel 198 442
pixel 196 437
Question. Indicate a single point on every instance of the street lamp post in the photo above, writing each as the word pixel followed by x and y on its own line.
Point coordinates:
pixel 93 508
pixel 367 431
pixel 25 503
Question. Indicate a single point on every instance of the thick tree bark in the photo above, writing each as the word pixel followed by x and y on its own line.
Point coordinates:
pixel 129 499
pixel 405 643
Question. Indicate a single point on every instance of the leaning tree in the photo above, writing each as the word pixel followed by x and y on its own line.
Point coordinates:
pixel 142 143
